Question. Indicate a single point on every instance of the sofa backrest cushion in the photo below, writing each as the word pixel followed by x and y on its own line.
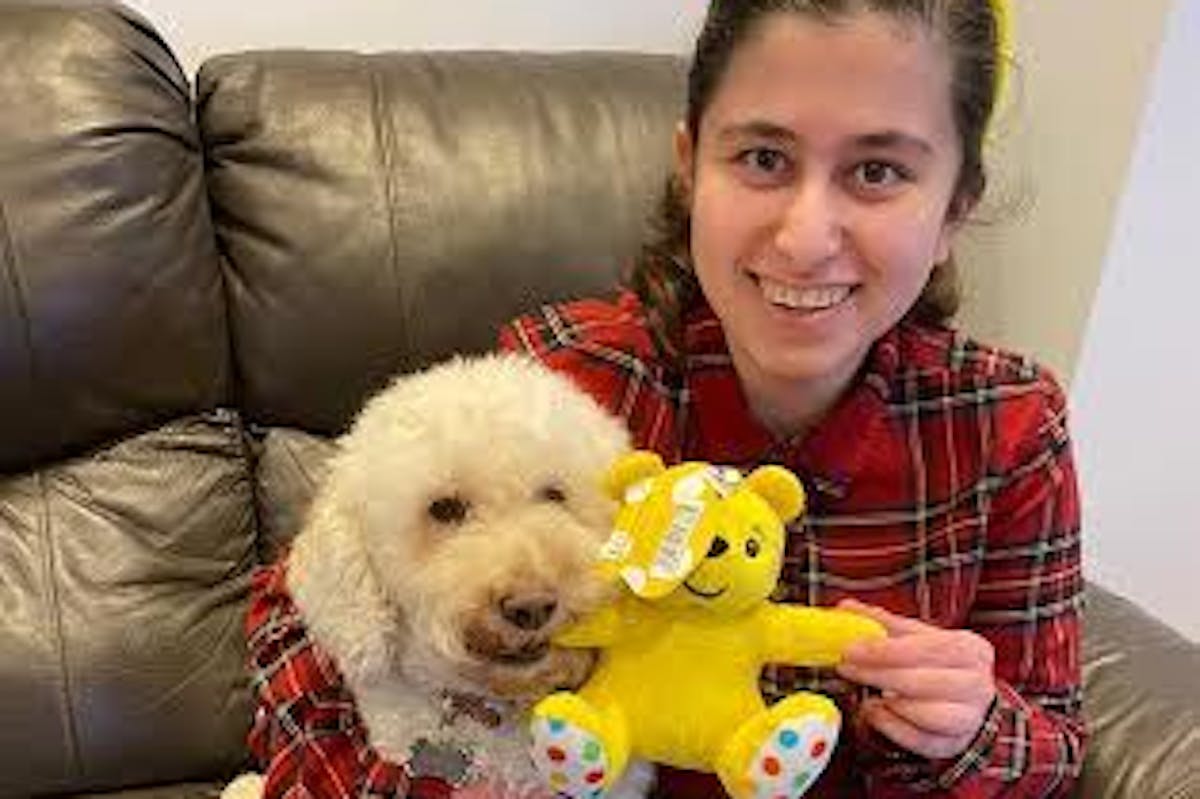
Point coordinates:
pixel 379 212
pixel 111 303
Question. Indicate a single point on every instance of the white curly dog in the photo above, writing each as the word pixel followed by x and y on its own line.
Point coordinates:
pixel 454 533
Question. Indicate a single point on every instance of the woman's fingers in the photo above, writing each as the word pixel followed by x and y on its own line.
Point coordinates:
pixel 933 647
pixel 937 684
pixel 947 719
pixel 907 735
pixel 895 625
pixel 940 684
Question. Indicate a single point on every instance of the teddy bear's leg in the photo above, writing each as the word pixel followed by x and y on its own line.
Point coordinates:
pixel 580 749
pixel 781 751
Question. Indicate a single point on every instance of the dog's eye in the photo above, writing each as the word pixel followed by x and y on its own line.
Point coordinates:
pixel 552 493
pixel 449 510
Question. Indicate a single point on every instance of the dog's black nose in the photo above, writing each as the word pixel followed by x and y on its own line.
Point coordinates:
pixel 528 611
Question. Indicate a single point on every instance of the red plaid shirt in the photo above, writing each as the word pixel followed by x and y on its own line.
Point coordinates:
pixel 307 734
pixel 941 487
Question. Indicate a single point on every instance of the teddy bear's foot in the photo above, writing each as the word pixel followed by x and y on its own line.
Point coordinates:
pixel 781 752
pixel 577 749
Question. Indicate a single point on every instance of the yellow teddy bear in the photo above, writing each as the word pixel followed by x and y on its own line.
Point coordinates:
pixel 699 548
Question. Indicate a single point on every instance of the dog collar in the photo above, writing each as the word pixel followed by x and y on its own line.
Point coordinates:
pixel 482 710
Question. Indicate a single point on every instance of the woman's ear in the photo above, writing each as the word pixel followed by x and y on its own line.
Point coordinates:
pixel 957 214
pixel 685 158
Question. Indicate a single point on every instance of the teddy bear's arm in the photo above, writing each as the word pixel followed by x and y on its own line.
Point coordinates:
pixel 804 636
pixel 601 628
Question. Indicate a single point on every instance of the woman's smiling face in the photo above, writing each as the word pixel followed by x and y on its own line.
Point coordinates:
pixel 820 185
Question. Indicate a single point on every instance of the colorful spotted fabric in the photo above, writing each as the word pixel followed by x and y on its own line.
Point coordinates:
pixel 941 487
pixel 572 760
pixel 787 764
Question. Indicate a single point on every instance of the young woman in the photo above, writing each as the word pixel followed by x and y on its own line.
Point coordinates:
pixel 794 311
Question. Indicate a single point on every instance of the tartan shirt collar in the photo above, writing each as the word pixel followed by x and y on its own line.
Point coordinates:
pixel 723 428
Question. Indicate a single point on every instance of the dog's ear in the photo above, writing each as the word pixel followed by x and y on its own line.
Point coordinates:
pixel 338 593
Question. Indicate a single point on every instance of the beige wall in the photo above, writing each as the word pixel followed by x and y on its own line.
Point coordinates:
pixel 197 30
pixel 1134 395
pixel 1033 263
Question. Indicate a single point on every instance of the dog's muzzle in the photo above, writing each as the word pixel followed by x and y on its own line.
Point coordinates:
pixel 510 642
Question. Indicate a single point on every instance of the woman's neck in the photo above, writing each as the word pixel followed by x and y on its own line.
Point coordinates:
pixel 788 408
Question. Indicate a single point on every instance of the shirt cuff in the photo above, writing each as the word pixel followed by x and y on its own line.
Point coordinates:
pixel 1005 705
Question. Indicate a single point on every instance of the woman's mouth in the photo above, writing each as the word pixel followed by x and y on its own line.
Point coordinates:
pixel 808 299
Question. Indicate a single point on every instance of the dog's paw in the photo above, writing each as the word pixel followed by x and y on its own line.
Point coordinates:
pixel 496 789
pixel 245 786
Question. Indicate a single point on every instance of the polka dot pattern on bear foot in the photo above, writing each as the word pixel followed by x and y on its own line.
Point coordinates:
pixel 572 761
pixel 792 757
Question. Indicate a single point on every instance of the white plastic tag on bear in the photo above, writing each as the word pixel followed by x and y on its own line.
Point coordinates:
pixel 673 560
pixel 652 567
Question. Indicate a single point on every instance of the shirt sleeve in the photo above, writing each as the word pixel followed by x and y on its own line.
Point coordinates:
pixel 558 337
pixel 306 735
pixel 607 352
pixel 1027 605
pixel 314 757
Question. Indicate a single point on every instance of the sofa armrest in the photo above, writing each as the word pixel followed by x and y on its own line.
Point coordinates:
pixel 1141 702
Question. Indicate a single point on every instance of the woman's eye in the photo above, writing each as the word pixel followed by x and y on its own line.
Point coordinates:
pixel 878 174
pixel 763 160
pixel 552 493
pixel 449 510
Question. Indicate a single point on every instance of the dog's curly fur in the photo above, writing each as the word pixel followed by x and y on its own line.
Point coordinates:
pixel 453 534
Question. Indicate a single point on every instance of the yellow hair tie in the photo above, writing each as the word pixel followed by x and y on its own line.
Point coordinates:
pixel 1005 53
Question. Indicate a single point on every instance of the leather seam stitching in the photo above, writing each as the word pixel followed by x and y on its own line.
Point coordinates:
pixel 385 137
pixel 8 259
pixel 56 621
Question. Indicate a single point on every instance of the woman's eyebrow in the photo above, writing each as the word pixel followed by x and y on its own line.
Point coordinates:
pixel 893 140
pixel 758 129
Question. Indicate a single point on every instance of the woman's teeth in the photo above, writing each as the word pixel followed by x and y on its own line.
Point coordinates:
pixel 815 298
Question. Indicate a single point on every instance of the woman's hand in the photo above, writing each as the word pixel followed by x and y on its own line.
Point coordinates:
pixel 937 685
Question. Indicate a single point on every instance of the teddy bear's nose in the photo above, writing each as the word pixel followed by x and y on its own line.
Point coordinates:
pixel 528 611
pixel 717 548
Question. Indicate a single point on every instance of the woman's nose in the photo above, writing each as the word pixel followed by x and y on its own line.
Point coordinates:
pixel 811 228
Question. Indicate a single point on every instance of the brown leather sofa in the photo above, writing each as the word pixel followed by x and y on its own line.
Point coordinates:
pixel 196 289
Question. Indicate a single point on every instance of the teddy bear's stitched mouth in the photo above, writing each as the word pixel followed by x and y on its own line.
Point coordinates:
pixel 704 594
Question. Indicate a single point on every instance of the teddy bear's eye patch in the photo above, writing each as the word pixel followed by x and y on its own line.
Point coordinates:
pixel 449 510
pixel 552 493
pixel 752 547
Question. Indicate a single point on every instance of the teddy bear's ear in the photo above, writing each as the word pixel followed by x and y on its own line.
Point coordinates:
pixel 780 488
pixel 630 469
